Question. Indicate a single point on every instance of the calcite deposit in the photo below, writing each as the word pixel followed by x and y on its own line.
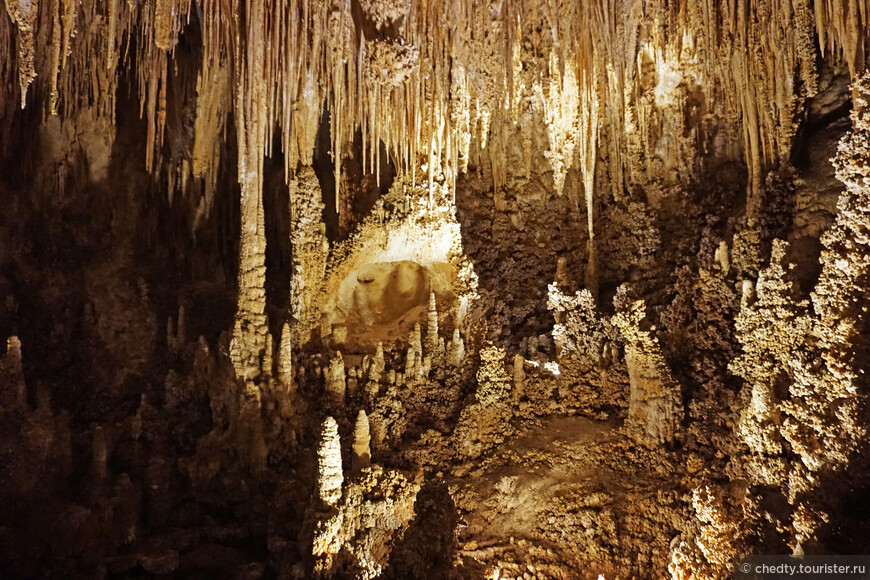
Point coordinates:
pixel 436 289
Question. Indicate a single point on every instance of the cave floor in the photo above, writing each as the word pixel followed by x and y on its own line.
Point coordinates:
pixel 560 497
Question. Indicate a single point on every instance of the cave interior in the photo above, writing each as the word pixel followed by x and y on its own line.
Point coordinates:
pixel 432 289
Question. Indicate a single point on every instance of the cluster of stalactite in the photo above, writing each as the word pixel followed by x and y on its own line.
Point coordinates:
pixel 442 84
pixel 427 77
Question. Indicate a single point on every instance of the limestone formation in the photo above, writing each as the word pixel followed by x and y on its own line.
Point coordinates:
pixel 336 380
pixel 362 455
pixel 249 334
pixel 432 325
pixel 376 370
pixel 519 377
pixel 412 362
pixel 416 339
pixel 268 357
pixel 329 471
pixel 309 257
pixel 721 257
pixel 577 332
pixel 456 350
pixel 285 358
pixel 772 331
pixel 493 382
pixel 655 409
pixel 361 532
pixel 16 389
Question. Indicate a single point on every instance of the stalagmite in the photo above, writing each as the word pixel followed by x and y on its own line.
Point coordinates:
pixel 14 376
pixel 432 326
pixel 493 382
pixel 457 348
pixel 376 370
pixel 655 405
pixel 268 357
pixel 309 255
pixel 411 362
pixel 361 452
pixel 285 357
pixel 747 291
pixel 329 472
pixel 335 379
pixel 721 257
pixel 249 336
pixel 416 339
pixel 519 378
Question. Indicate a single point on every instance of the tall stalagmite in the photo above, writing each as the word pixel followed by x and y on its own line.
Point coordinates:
pixel 329 471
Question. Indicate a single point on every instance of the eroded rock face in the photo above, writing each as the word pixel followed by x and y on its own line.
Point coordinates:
pixel 449 289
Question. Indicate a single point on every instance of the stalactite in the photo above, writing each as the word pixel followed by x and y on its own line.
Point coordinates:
pixel 442 89
pixel 588 138
pixel 24 14
pixel 562 108
pixel 212 107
